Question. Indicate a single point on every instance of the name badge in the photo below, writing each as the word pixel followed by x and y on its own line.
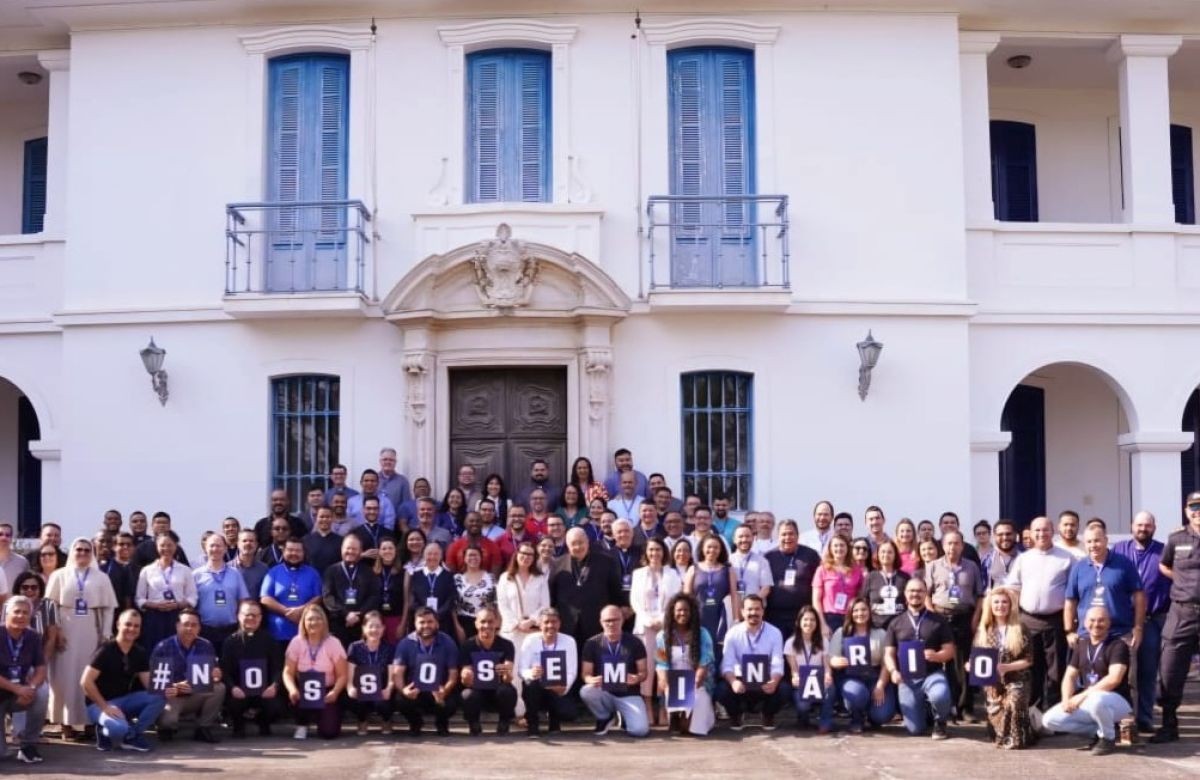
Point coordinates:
pixel 955 595
pixel 219 598
pixel 554 667
pixel 789 578
pixel 812 683
pixel 889 607
pixel 681 690
pixel 81 607
pixel 483 664
pixel 386 606
pixel 626 581
pixel 168 595
pixel 754 670
pixel 351 597
pixel 293 594
pixel 1098 596
pixel 432 603
pixel 839 602
pixel 368 680
pixel 16 675
pixel 1092 678
pixel 983 666
pixel 741 587
pixel 312 690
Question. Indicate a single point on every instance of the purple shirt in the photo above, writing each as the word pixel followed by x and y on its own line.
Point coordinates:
pixel 1156 586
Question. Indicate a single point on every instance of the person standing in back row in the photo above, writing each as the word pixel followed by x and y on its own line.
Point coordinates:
pixel 1181 632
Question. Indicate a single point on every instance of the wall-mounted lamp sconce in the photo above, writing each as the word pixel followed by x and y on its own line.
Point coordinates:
pixel 152 359
pixel 868 356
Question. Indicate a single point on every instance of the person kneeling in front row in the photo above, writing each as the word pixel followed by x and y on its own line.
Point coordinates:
pixel 122 714
pixel 1099 665
pixel 425 674
pixel 22 687
pixel 613 667
pixel 487 660
pixel 752 667
pixel 926 643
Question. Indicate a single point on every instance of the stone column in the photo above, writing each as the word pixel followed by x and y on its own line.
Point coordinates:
pixel 1155 479
pixel 58 63
pixel 973 51
pixel 986 447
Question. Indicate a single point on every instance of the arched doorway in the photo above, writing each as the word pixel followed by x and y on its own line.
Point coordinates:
pixel 1065 420
pixel 20 471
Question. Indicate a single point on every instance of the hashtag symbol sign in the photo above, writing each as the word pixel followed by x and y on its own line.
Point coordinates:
pixel 161 678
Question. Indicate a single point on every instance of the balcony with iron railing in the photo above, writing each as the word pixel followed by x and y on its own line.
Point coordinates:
pixel 277 254
pixel 718 250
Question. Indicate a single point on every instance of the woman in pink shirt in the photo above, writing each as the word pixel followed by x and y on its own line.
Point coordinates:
pixel 906 542
pixel 315 670
pixel 835 584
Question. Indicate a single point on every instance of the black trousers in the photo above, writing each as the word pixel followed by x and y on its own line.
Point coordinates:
pixel 770 703
pixel 539 699
pixel 364 709
pixel 502 700
pixel 425 704
pixel 267 711
pixel 962 694
pixel 1180 641
pixel 1048 639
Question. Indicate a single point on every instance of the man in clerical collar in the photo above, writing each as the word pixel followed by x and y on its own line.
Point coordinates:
pixel 252 666
pixel 350 590
pixel 322 547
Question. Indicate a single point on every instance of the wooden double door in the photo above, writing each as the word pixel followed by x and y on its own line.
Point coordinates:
pixel 502 419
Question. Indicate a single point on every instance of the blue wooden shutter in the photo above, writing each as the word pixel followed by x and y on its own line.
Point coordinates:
pixel 1014 171
pixel 286 164
pixel 33 202
pixel 508 126
pixel 1183 181
pixel 734 68
pixel 332 108
pixel 533 74
pixel 688 139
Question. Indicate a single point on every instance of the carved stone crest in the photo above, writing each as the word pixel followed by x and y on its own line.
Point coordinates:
pixel 504 271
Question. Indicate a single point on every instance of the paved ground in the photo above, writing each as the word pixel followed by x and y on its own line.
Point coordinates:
pixel 574 753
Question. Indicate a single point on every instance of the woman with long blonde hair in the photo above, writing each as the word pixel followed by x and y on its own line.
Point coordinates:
pixel 1008 700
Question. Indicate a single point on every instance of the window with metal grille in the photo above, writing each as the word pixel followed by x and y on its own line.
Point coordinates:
pixel 718 435
pixel 305 425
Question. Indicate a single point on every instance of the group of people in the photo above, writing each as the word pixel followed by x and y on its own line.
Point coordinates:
pixel 616 596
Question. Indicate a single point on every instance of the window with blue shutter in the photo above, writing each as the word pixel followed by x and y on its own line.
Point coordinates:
pixel 307 139
pixel 1183 175
pixel 711 120
pixel 33 199
pixel 508 126
pixel 1014 171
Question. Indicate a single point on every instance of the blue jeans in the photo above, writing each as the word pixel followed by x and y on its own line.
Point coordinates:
pixel 139 706
pixel 804 708
pixel 934 690
pixel 31 720
pixel 856 695
pixel 603 704
pixel 1097 716
pixel 1147 668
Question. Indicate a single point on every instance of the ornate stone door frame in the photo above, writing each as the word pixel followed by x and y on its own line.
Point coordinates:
pixel 503 302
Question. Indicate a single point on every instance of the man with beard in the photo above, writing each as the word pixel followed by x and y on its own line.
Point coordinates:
pixel 248 565
pixel 287 589
pixel 539 479
pixel 280 505
pixel 822 531
pixel 349 590
pixel 1068 535
pixel 1004 555
pixel 425 675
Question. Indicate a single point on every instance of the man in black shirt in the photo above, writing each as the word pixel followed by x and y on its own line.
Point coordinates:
pixel 1181 631
pixel 792 569
pixel 120 575
pixel 487 661
pixel 116 684
pixel 582 582
pixel 1095 687
pixel 349 590
pixel 22 674
pixel 280 504
pixel 322 547
pixel 919 688
pixel 612 667
pixel 252 667
pixel 272 552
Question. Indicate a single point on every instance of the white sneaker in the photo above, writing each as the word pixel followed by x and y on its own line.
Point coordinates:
pixel 301 732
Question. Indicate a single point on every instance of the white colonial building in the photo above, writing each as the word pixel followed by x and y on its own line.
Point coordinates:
pixel 482 232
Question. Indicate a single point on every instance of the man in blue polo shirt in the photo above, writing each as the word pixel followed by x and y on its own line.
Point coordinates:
pixel 1103 579
pixel 425 674
pixel 1146 553
pixel 22 672
pixel 287 589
